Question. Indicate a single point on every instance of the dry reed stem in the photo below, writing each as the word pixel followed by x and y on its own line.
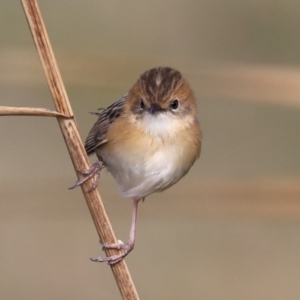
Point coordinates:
pixel 74 144
pixel 28 111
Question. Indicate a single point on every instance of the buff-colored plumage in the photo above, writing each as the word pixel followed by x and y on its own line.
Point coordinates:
pixel 149 139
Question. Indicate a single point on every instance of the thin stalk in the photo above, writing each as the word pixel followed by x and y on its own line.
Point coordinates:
pixel 74 144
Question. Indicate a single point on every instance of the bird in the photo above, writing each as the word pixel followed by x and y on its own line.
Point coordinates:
pixel 147 140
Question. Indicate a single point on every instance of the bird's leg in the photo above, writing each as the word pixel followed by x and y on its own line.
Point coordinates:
pixel 125 248
pixel 92 172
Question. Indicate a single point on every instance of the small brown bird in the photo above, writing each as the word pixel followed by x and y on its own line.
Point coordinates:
pixel 147 140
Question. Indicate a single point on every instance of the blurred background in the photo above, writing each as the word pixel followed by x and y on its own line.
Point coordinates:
pixel 231 228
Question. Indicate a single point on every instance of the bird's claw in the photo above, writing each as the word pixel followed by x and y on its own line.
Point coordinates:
pixel 125 248
pixel 92 172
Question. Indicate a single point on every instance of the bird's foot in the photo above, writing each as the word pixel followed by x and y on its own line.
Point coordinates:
pixel 125 248
pixel 92 172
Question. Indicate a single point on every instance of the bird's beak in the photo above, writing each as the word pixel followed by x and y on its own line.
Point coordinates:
pixel 154 108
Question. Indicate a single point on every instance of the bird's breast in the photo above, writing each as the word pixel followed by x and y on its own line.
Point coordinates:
pixel 143 163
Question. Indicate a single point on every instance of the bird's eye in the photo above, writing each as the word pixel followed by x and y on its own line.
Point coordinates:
pixel 142 104
pixel 174 104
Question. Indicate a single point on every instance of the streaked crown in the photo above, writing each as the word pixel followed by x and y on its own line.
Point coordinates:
pixel 161 90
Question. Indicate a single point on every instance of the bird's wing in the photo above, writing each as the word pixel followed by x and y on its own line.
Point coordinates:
pixel 107 116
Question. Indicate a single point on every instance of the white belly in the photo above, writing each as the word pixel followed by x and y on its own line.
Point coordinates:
pixel 138 176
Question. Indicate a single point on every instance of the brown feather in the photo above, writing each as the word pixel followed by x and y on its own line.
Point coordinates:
pixel 107 116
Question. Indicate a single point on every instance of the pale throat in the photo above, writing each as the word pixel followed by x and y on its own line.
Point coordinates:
pixel 163 125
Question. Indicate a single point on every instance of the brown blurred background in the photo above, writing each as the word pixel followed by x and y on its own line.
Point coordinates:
pixel 231 228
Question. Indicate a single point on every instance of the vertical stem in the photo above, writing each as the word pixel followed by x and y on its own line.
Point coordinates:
pixel 74 144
